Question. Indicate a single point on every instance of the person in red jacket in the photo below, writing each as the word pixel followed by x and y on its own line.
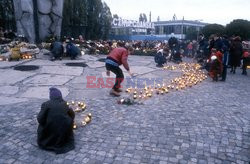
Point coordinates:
pixel 117 57
pixel 215 64
pixel 246 61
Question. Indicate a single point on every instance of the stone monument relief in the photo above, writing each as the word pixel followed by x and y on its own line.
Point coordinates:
pixel 47 14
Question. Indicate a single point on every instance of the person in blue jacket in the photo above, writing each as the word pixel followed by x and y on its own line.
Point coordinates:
pixel 72 50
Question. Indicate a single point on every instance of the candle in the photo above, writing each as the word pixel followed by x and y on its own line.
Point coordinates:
pixel 77 110
pixel 84 123
pixel 87 119
pixel 83 107
pixel 74 126
pixel 135 97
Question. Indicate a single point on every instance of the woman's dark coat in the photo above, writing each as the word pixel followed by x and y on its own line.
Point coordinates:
pixel 236 52
pixel 55 131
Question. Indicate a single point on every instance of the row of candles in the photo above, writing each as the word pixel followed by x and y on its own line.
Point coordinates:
pixel 26 56
pixel 77 108
pixel 192 75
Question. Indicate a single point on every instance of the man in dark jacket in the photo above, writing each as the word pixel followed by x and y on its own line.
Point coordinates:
pixel 173 45
pixel 218 43
pixel 203 47
pixel 225 51
pixel 55 130
pixel 56 50
pixel 72 51
pixel 172 42
pixel 160 57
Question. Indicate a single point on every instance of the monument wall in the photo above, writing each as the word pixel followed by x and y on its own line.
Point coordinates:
pixel 47 14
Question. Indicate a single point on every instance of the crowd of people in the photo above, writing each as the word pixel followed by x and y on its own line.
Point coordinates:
pixel 233 52
pixel 220 52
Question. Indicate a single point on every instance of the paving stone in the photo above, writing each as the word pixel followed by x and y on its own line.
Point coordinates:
pixel 10 77
pixel 42 92
pixel 11 100
pixel 163 162
pixel 8 90
pixel 62 70
pixel 40 62
pixel 174 160
pixel 96 64
pixel 47 80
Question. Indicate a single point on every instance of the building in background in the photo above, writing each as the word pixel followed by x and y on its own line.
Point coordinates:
pixel 131 27
pixel 123 29
pixel 178 27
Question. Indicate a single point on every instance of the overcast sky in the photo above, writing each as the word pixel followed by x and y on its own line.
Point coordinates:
pixel 210 11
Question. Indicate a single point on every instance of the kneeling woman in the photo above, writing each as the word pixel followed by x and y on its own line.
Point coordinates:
pixel 55 130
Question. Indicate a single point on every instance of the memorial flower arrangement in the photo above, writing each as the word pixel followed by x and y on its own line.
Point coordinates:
pixel 18 50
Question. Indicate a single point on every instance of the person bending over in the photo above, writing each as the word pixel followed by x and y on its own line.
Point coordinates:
pixel 117 57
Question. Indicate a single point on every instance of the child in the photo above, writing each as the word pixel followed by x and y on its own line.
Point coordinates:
pixel 215 64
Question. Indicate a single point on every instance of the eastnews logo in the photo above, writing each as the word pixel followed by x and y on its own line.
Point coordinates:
pixel 109 82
